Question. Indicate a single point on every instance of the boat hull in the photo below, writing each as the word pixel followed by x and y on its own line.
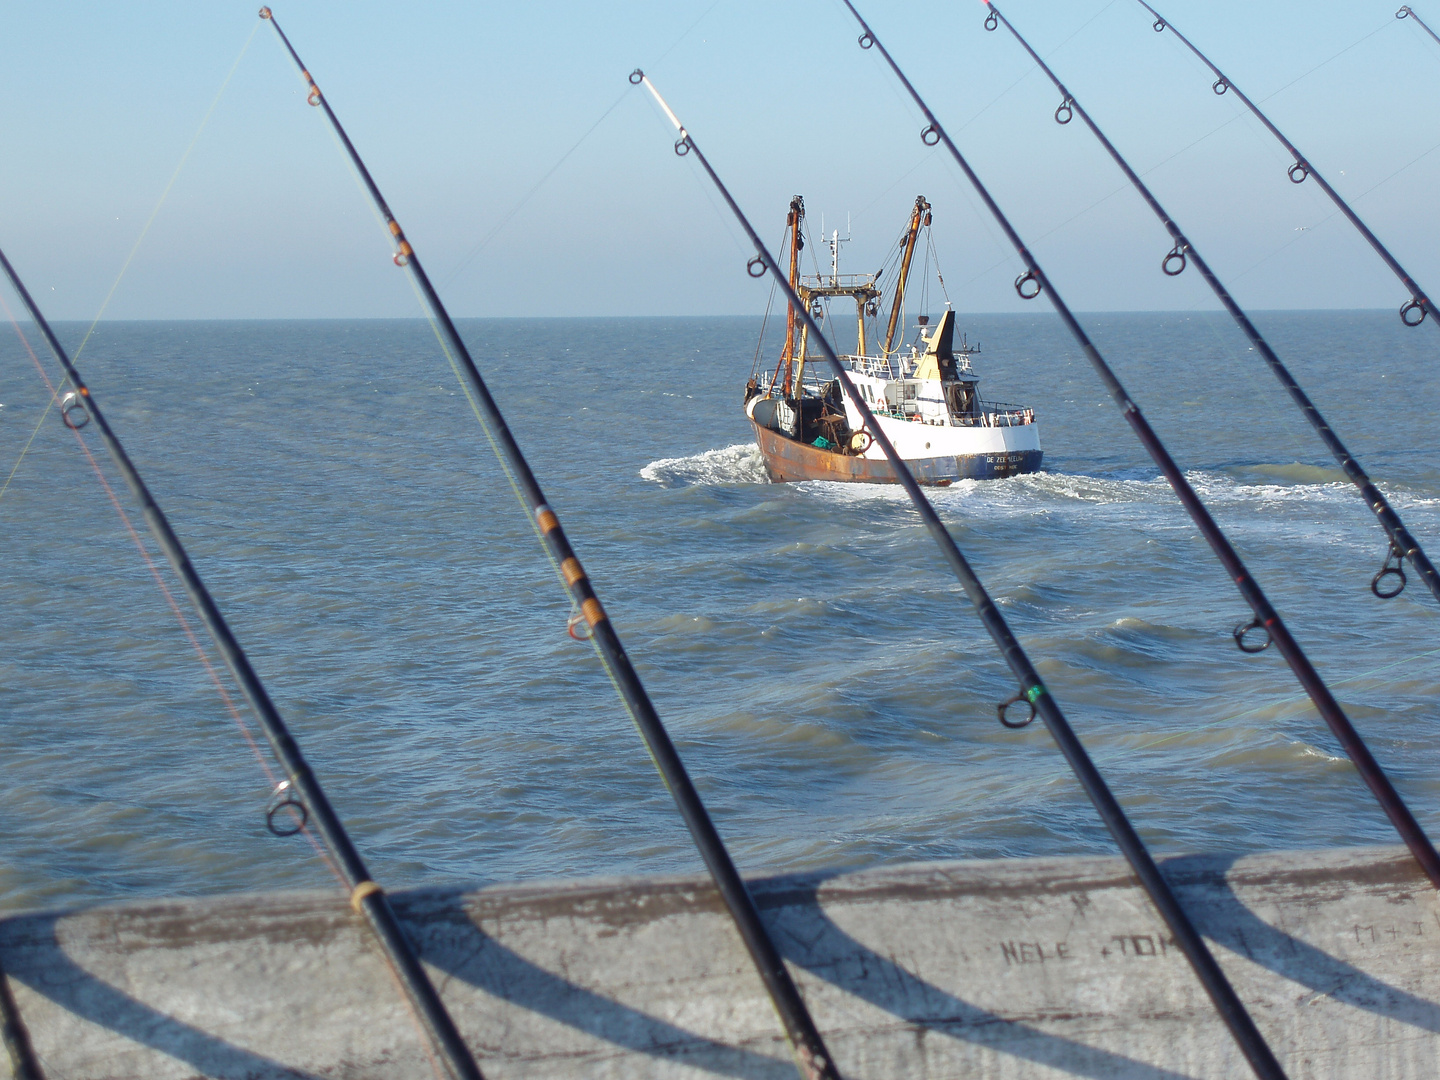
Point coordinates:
pixel 787 461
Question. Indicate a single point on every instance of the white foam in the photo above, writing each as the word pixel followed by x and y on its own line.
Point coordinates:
pixel 738 464
pixel 1131 499
pixel 1049 491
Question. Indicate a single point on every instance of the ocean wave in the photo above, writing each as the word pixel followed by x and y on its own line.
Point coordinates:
pixel 1036 491
pixel 1264 483
pixel 737 464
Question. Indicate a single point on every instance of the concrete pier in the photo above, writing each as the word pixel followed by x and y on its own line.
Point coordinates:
pixel 1011 968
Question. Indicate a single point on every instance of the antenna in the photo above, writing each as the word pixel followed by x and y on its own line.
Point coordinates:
pixel 834 243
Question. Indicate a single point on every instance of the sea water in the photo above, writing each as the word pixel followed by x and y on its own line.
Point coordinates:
pixel 828 684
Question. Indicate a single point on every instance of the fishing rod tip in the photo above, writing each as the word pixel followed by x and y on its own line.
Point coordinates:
pixel 264 13
pixel 637 77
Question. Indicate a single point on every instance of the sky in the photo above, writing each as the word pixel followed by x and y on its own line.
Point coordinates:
pixel 460 109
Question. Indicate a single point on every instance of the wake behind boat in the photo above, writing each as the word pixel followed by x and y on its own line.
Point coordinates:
pixel 925 395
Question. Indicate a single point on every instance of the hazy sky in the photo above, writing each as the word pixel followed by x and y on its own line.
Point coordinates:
pixel 460 108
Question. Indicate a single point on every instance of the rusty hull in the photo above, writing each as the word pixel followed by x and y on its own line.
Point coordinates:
pixel 788 461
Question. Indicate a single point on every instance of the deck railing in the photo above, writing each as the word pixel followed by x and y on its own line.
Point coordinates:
pixel 991 413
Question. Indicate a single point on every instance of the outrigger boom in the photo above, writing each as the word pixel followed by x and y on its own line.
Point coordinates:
pixel 925 395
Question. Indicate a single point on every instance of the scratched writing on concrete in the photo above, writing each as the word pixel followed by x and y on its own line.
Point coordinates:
pixel 1033 952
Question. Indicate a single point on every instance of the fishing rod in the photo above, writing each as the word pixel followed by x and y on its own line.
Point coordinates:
pixel 1407 12
pixel 303 796
pixel 812 1059
pixel 1032 691
pixel 1402 544
pixel 1265 618
pixel 1303 169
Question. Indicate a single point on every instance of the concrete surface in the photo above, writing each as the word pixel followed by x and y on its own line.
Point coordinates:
pixel 1010 968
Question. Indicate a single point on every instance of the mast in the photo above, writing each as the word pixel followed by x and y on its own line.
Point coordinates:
pixel 918 216
pixel 796 216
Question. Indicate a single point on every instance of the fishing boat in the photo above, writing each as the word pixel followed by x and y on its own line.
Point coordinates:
pixel 924 394
pixel 1037 967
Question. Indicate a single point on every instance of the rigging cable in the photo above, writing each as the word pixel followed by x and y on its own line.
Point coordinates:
pixel 1032 692
pixel 755 368
pixel 1265 618
pixel 1402 544
pixel 812 1057
pixel 1302 169
pixel 755 365
pixel 366 897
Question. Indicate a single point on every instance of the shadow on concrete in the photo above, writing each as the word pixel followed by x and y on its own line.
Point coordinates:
pixel 41 964
pixel 888 986
pixel 1224 918
pixel 450 941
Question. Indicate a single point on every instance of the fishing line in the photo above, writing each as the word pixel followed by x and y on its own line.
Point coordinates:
pixel 165 592
pixel 1033 692
pixel 1266 620
pixel 1003 93
pixel 1336 213
pixel 1107 197
pixel 1190 146
pixel 450 277
pixel 982 220
pixel 26 448
pixel 1383 26
pixel 1239 114
pixel 531 193
pixel 902 178
pixel 812 1057
pixel 359 180
pixel 676 43
pixel 281 796
pixel 304 793
pixel 993 101
pixel 126 265
pixel 1414 310
pixel 1402 544
pixel 165 194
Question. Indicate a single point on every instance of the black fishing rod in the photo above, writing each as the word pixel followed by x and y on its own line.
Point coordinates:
pixel 811 1056
pixel 304 797
pixel 1032 692
pixel 1407 12
pixel 1402 544
pixel 1302 169
pixel 1265 618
